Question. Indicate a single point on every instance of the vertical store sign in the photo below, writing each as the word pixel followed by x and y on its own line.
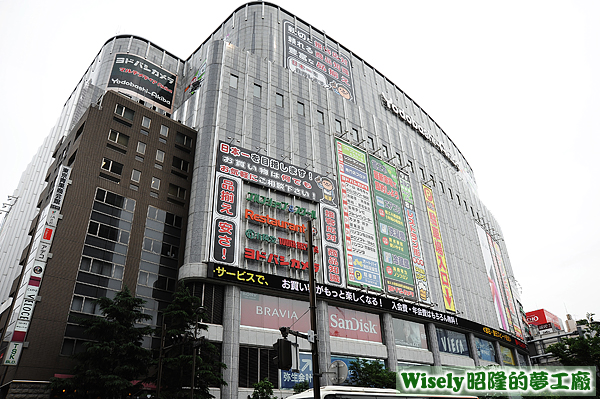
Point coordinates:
pixel 440 256
pixel 226 214
pixel 514 320
pixel 357 210
pixel 492 278
pixel 397 267
pixel 418 262
pixel 34 275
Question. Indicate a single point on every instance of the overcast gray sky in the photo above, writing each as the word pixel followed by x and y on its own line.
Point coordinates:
pixel 515 84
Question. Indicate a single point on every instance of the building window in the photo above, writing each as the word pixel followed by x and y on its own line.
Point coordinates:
pixel 320 117
pixel 118 138
pixel 442 186
pixel 338 126
pixel 176 191
pixel 300 108
pixel 233 81
pixel 384 151
pixel 450 192
pixel 411 167
pixel 141 147
pixel 181 164
pixel 399 159
pixel 144 132
pixel 353 134
pixel 136 175
pixel 124 112
pixel 164 130
pixel 371 143
pixel 255 365
pixel 432 180
pixel 160 156
pixel 279 99
pixel 257 90
pixel 146 122
pixel 183 140
pixel 155 183
pixel 112 166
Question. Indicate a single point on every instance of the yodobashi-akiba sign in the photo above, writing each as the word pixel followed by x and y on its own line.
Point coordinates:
pixel 275 174
pixel 312 58
pixel 412 122
pixel 136 76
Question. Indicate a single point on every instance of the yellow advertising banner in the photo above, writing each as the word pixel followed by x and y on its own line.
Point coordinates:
pixel 440 257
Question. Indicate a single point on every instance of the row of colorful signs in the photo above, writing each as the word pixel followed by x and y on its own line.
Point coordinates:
pixel 285 286
pixel 35 270
pixel 369 233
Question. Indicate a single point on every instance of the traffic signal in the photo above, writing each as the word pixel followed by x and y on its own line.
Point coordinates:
pixel 283 347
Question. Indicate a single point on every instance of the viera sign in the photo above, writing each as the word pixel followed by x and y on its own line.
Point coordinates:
pixel 411 121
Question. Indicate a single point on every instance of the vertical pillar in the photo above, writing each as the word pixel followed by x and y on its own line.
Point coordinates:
pixel 433 344
pixel 473 349
pixel 498 353
pixel 390 342
pixel 231 342
pixel 323 337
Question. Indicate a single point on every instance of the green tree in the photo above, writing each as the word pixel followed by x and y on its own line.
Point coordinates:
pixel 115 358
pixel 301 387
pixel 365 373
pixel 263 390
pixel 583 350
pixel 181 341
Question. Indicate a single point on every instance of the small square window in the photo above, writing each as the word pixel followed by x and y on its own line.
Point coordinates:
pixel 155 183
pixel 141 147
pixel 233 81
pixel 354 134
pixel 320 117
pixel 279 99
pixel 300 108
pixel 338 126
pixel 160 156
pixel 257 90
pixel 136 175
pixel 146 122
pixel 164 130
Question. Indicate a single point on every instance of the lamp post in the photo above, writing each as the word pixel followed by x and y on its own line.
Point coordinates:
pixel 197 312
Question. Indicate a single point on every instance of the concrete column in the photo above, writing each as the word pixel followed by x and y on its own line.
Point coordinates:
pixel 323 339
pixel 473 348
pixel 498 353
pixel 433 344
pixel 390 342
pixel 231 342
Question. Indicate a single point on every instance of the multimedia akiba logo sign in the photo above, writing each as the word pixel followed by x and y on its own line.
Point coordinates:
pixel 411 121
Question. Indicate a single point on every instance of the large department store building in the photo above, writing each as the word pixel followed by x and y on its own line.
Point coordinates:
pixel 207 170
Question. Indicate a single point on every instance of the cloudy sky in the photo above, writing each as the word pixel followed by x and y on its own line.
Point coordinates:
pixel 515 84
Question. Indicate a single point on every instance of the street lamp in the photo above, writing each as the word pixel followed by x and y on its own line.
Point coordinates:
pixel 199 310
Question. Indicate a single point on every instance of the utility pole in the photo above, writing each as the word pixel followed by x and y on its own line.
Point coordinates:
pixel 313 313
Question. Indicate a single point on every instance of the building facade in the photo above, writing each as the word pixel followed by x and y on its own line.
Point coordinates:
pixel 267 125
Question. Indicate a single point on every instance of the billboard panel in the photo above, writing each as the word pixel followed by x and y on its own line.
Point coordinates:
pixel 359 227
pixel 391 229
pixel 440 256
pixel 138 77
pixel 314 59
pixel 418 262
